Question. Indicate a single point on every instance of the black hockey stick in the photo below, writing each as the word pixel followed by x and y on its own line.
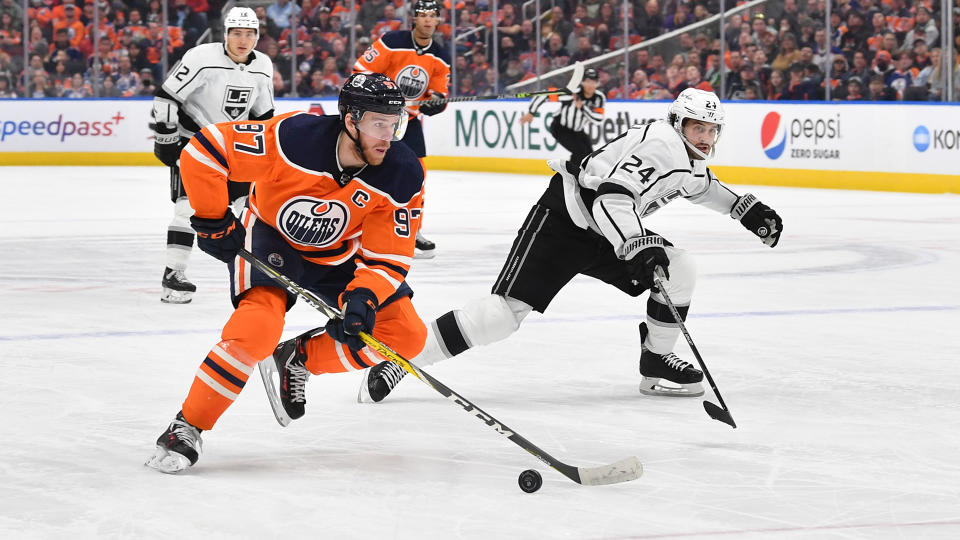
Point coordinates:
pixel 721 413
pixel 621 471
pixel 575 79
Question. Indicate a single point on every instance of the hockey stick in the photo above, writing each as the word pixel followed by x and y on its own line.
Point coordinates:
pixel 575 79
pixel 621 471
pixel 721 413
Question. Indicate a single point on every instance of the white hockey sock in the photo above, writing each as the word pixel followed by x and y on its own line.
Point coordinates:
pixel 180 235
pixel 664 329
pixel 480 322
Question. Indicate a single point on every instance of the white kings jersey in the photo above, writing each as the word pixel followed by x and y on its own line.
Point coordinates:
pixel 632 177
pixel 209 88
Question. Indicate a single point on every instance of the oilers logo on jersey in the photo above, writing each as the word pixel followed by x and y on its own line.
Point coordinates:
pixel 413 81
pixel 308 221
pixel 235 100
pixel 275 259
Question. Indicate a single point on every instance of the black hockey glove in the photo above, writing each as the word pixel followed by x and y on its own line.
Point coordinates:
pixel 758 218
pixel 643 255
pixel 166 143
pixel 431 109
pixel 359 315
pixel 221 238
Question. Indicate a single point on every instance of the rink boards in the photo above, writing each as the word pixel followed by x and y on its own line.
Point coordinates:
pixel 871 146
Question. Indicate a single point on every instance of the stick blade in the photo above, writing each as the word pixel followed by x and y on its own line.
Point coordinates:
pixel 717 413
pixel 575 78
pixel 624 470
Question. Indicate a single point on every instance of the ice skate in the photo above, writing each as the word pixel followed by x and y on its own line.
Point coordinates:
pixel 667 374
pixel 288 362
pixel 177 448
pixel 425 249
pixel 379 381
pixel 176 288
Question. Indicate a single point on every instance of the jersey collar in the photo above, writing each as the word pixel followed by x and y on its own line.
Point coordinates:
pixel 247 62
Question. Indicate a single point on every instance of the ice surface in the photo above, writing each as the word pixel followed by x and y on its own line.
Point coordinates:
pixel 836 352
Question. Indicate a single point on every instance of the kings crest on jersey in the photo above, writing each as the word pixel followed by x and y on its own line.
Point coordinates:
pixel 415 69
pixel 646 167
pixel 209 87
pixel 324 213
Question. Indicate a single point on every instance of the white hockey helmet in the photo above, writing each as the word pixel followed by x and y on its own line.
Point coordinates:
pixel 696 104
pixel 240 17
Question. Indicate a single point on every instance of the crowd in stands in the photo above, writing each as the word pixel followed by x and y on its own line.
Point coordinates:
pixel 876 50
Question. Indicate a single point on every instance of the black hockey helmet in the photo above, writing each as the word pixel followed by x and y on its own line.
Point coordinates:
pixel 364 92
pixel 422 6
pixel 591 73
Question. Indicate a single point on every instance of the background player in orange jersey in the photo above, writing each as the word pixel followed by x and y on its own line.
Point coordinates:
pixel 422 70
pixel 335 207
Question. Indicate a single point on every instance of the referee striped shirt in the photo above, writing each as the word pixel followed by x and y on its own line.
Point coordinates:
pixel 570 116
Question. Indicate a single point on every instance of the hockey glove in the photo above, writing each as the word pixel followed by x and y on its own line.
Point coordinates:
pixel 758 218
pixel 221 238
pixel 166 143
pixel 359 315
pixel 643 255
pixel 431 109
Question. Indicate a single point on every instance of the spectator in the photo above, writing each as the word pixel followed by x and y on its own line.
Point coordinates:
pixel 10 34
pixel 585 50
pixel 860 66
pixel 77 89
pixel 924 28
pixel 648 22
pixel 840 70
pixel 694 78
pixel 675 81
pixel 746 78
pixel 526 40
pixel 879 91
pixel 127 80
pixel 556 52
pixel 6 90
pixel 109 89
pixel 41 87
pixel 788 55
pixel 559 23
pixel 929 77
pixel 854 90
pixel 798 88
pixel 279 85
pixel 882 64
pixel 758 27
pixel 281 11
pixel 147 82
pixel 855 38
pixel 921 56
pixel 901 77
pixel 776 86
pixel 679 18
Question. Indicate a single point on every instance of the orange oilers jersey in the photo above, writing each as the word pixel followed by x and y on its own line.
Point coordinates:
pixel 396 56
pixel 325 214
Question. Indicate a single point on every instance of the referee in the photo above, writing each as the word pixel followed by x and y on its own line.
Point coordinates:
pixel 569 126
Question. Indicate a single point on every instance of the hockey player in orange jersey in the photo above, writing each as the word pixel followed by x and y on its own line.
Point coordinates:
pixel 334 206
pixel 421 68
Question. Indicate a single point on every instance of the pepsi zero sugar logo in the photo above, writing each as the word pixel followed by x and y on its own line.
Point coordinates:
pixel 805 137
pixel 942 139
pixel 313 222
pixel 60 128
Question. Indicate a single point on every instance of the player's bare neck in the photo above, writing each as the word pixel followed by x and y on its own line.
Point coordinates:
pixel 348 157
pixel 421 40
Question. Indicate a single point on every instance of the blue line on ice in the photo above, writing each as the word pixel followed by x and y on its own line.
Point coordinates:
pixel 538 320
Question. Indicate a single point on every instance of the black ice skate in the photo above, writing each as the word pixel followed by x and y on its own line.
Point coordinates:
pixel 176 288
pixel 655 368
pixel 177 448
pixel 288 363
pixel 425 249
pixel 378 381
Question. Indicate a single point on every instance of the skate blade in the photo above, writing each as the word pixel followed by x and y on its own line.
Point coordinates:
pixel 651 386
pixel 170 296
pixel 429 254
pixel 363 393
pixel 268 369
pixel 167 462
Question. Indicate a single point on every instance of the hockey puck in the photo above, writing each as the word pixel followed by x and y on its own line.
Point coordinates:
pixel 530 481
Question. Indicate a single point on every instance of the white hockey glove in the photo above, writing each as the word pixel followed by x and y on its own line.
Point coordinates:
pixel 758 218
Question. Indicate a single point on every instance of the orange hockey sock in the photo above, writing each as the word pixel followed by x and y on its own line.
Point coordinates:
pixel 249 336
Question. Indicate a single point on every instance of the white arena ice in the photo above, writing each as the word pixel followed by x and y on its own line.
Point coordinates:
pixel 837 353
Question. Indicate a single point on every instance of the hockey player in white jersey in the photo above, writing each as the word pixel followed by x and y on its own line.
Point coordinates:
pixel 590 221
pixel 214 82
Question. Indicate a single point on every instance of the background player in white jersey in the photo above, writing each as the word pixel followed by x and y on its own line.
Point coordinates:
pixel 213 83
pixel 590 221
